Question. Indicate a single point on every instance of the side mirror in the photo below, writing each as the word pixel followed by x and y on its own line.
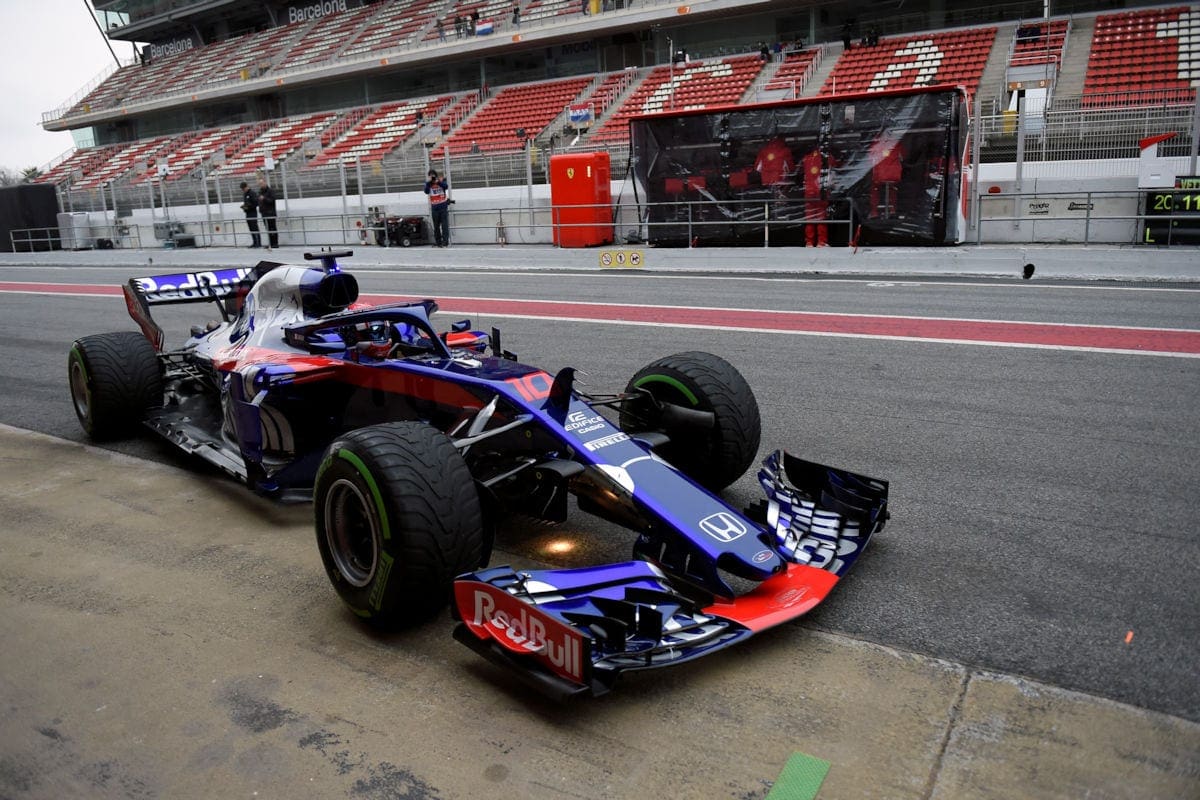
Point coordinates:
pixel 460 326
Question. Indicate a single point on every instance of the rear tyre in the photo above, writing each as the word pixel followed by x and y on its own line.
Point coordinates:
pixel 397 517
pixel 115 378
pixel 715 457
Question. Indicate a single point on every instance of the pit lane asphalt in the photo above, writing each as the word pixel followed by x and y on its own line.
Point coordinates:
pixel 1043 500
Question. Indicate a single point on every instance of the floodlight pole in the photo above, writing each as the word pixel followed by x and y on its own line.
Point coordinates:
pixel 103 35
pixel 529 178
pixel 671 61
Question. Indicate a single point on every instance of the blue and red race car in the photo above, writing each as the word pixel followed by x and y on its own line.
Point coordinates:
pixel 412 442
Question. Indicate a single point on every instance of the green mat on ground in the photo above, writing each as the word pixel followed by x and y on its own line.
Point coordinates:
pixel 801 778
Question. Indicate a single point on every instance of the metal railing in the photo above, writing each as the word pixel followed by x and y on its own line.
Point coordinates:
pixel 104 237
pixel 1075 217
pixel 1085 217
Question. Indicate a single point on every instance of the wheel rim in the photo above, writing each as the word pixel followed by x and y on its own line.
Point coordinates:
pixel 79 390
pixel 351 532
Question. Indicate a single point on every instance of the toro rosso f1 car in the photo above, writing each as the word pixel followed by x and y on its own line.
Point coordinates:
pixel 412 441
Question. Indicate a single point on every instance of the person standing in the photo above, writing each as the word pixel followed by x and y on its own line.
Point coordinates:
pixel 441 32
pixel 439 208
pixel 266 207
pixel 816 166
pixel 250 209
pixel 886 156
pixel 516 15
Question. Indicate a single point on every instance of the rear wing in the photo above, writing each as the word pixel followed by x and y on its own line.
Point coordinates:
pixel 225 287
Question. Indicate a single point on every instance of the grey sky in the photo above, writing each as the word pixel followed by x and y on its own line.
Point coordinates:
pixel 51 50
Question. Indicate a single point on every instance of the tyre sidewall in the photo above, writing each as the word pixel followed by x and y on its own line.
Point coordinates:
pixel 343 463
pixel 427 523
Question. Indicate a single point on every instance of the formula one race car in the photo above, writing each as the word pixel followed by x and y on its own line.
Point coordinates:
pixel 411 442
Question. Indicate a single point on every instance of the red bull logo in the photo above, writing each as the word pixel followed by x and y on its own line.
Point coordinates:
pixel 521 628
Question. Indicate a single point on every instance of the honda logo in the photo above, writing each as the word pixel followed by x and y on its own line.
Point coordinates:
pixel 723 526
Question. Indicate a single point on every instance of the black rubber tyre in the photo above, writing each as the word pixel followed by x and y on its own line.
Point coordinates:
pixel 406 241
pixel 715 458
pixel 114 378
pixel 398 517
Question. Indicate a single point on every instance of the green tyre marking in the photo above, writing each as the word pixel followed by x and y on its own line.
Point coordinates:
pixel 375 601
pixel 672 382
pixel 356 462
pixel 77 356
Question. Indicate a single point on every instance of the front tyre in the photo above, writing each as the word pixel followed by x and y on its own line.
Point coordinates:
pixel 713 457
pixel 115 379
pixel 398 518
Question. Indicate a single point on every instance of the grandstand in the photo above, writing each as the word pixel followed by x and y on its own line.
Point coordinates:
pixel 225 89
pixel 1144 56
pixel 954 57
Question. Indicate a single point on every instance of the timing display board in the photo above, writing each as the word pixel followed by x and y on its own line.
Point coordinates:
pixel 1173 215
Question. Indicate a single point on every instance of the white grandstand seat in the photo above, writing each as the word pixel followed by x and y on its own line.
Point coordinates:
pixel 79 164
pixel 902 62
pixel 380 132
pixel 279 141
pixel 698 84
pixel 394 26
pixel 543 9
pixel 191 150
pixel 123 161
pixel 326 37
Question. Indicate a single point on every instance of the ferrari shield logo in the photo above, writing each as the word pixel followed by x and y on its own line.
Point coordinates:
pixel 570 173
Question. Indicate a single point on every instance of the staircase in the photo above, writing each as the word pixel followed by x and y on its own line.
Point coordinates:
pixel 1075 59
pixel 755 93
pixel 833 52
pixel 992 86
pixel 619 99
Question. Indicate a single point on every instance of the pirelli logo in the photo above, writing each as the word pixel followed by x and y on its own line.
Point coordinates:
pixel 596 444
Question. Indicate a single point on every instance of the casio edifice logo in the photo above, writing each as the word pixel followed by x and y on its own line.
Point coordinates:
pixel 723 526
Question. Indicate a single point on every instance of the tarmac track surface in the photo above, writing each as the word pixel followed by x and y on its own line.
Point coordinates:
pixel 1043 497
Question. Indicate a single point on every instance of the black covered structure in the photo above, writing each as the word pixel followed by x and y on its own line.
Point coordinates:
pixel 880 167
pixel 28 205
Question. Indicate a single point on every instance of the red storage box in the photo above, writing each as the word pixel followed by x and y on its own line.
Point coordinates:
pixel 581 199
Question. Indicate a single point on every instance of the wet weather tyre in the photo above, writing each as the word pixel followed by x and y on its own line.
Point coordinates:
pixel 115 378
pixel 397 517
pixel 714 457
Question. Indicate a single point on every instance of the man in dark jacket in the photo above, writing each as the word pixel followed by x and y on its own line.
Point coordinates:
pixel 439 208
pixel 250 209
pixel 266 207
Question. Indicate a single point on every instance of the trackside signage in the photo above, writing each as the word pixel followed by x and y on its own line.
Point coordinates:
pixel 302 12
pixel 521 628
pixel 172 47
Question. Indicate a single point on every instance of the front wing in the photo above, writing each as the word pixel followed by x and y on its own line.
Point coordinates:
pixel 574 631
